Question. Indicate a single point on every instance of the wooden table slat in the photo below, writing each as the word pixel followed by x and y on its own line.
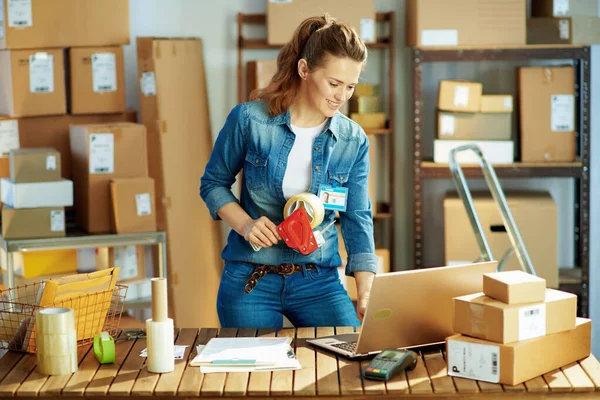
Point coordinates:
pixel 105 375
pixel 488 387
pixel 436 367
pixel 592 368
pixel 578 378
pixel 327 367
pixel 536 385
pixel 192 378
pixel 17 375
pixel 214 383
pixel 168 383
pixel 259 383
pixel 80 379
pixel 350 371
pixel 418 378
pixel 282 381
pixel 125 379
pixel 9 360
pixel 304 379
pixel 55 384
pixel 237 383
pixel 514 388
pixel 557 381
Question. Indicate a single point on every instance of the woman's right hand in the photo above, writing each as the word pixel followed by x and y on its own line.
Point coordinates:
pixel 262 232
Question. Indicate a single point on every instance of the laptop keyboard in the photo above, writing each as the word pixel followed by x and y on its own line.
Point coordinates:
pixel 348 346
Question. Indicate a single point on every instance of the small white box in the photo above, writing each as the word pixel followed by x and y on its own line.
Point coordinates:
pixel 494 151
pixel 37 194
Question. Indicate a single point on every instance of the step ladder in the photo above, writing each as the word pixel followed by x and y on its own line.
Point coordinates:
pixel 498 195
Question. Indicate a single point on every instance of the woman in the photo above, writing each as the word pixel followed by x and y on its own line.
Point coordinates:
pixel 294 140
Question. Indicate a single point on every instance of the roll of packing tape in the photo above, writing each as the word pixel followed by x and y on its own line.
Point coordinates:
pixel 55 321
pixel 58 344
pixel 56 341
pixel 159 341
pixel 104 348
pixel 311 203
pixel 57 365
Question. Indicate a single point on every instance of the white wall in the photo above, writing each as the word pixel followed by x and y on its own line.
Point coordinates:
pixel 215 23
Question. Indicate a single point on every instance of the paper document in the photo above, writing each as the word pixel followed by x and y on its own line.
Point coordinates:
pixel 178 351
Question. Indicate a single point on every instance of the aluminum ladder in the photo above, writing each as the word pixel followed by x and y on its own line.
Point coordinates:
pixel 498 195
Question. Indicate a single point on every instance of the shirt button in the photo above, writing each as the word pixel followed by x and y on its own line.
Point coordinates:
pixel 316 148
pixel 317 168
pixel 341 178
pixel 257 160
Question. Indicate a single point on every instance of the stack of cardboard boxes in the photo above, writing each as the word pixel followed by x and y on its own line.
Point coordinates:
pixel 516 330
pixel 466 115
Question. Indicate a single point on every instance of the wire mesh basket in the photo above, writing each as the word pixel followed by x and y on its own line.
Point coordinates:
pixel 94 313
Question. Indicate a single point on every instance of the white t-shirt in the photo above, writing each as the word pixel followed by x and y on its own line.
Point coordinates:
pixel 297 178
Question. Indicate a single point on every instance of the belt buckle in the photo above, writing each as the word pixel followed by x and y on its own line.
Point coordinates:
pixel 288 269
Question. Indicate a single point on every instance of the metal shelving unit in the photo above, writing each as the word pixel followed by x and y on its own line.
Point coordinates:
pixel 387 20
pixel 79 240
pixel 579 170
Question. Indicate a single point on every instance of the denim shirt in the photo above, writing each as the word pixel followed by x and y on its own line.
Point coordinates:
pixel 260 144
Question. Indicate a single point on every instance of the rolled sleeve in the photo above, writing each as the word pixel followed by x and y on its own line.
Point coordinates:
pixel 225 162
pixel 357 220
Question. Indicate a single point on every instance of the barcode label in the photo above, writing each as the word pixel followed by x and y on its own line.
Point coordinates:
pixel 474 361
pixel 562 112
pixel 494 363
pixel 102 153
pixel 532 321
pixel 19 13
pixel 41 73
pixel 104 72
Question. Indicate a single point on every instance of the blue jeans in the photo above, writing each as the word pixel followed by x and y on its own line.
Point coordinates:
pixel 307 299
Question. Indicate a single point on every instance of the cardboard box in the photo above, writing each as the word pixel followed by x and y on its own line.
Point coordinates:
pixel 459 96
pixel 31 223
pixel 494 151
pixel 480 316
pixel 259 74
pixel 133 205
pixel 474 126
pixel 366 89
pixel 374 120
pixel 101 152
pixel 517 362
pixel 365 104
pixel 33 24
pixel 97 80
pixel 51 132
pixel 35 165
pixel 496 103
pixel 530 211
pixel 37 194
pixel 32 82
pixel 563 30
pixel 465 22
pixel 547 113
pixel 284 17
pixel 563 8
pixel 42 263
pixel 514 287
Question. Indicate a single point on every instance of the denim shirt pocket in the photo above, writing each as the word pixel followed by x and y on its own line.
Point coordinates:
pixel 338 177
pixel 255 170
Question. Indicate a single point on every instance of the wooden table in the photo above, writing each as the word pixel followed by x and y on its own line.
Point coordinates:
pixel 322 374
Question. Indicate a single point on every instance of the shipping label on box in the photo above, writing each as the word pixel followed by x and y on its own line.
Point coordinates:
pixel 9 136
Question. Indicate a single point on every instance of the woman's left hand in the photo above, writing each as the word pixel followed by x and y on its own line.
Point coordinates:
pixel 364 280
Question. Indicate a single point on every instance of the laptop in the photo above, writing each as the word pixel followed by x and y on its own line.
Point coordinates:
pixel 409 309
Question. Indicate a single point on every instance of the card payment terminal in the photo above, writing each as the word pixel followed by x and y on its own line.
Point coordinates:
pixel 390 362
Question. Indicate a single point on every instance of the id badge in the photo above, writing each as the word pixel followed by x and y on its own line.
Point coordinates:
pixel 333 198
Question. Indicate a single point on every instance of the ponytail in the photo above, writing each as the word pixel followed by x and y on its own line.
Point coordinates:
pixel 313 40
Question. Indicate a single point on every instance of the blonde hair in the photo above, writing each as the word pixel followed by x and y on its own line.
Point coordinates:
pixel 313 40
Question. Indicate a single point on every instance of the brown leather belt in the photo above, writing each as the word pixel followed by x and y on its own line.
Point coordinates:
pixel 281 269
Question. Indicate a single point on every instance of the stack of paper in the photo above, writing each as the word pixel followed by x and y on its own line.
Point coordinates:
pixel 246 355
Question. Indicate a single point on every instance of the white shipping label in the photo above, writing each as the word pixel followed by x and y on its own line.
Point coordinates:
pixel 461 96
pixel 104 72
pixel 562 113
pixel 508 103
pixel 561 7
pixel 563 28
pixel 148 84
pixel 9 136
pixel 102 153
pixel 532 321
pixel 474 361
pixel 41 73
pixel 367 29
pixel 126 259
pixel 19 13
pixel 57 220
pixel 142 204
pixel 51 163
pixel 439 37
pixel 447 123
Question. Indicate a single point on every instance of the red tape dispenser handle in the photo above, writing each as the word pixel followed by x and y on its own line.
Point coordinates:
pixel 297 233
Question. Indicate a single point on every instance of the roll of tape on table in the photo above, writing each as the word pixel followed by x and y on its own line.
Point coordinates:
pixel 311 203
pixel 56 341
pixel 104 348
